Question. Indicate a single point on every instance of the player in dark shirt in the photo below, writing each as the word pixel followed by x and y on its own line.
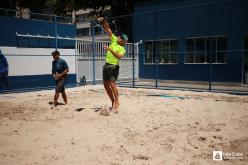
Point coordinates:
pixel 59 72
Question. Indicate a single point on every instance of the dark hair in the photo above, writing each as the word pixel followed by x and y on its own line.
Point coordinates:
pixel 55 53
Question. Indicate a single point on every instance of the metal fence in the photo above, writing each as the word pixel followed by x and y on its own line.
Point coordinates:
pixel 192 46
pixel 30 68
pixel 90 59
pixel 184 46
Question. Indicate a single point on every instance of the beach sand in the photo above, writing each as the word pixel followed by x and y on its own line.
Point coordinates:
pixel 153 127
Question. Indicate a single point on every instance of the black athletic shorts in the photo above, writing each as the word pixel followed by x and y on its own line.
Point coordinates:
pixel 110 72
pixel 60 85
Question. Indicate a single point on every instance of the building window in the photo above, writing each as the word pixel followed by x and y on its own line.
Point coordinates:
pixel 83 32
pixel 219 50
pixel 97 30
pixel 197 50
pixel 87 31
pixel 149 52
pixel 82 17
pixel 167 51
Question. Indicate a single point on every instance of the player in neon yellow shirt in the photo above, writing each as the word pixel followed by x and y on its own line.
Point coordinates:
pixel 115 52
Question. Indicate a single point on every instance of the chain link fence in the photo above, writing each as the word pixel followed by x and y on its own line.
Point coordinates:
pixel 184 46
pixel 90 59
pixel 27 40
pixel 191 46
pixel 30 68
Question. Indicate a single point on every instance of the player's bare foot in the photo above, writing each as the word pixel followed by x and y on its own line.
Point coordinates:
pixel 113 102
pixel 116 111
pixel 116 107
pixel 54 104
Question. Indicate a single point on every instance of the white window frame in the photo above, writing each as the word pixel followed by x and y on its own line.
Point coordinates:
pixel 145 52
pixel 160 51
pixel 194 52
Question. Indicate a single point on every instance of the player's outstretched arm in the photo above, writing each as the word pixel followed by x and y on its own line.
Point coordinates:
pixel 105 24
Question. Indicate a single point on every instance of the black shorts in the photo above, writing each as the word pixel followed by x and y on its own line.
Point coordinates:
pixel 60 85
pixel 110 72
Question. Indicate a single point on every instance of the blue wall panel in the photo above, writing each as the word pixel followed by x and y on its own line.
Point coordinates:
pixel 34 81
pixel 11 25
pixel 193 18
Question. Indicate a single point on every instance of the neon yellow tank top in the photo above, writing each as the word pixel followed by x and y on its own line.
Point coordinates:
pixel 110 58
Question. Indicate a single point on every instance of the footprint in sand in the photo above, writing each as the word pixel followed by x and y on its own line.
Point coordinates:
pixel 104 112
pixel 79 109
pixel 140 157
pixel 239 145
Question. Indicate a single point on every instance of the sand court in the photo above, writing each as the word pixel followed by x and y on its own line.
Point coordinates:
pixel 152 127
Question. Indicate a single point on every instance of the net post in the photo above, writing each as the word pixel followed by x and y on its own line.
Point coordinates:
pixel 56 31
pixel 133 52
pixel 155 49
pixel 210 51
pixel 93 51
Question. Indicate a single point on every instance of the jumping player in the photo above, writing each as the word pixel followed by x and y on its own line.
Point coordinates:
pixel 114 53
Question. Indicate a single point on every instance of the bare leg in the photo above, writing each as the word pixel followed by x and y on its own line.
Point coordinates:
pixel 116 94
pixel 56 97
pixel 64 97
pixel 109 91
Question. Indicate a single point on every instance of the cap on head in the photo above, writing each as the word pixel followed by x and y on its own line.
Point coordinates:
pixel 124 37
pixel 55 53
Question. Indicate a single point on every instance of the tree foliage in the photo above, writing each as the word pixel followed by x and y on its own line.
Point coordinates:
pixel 99 7
pixel 113 10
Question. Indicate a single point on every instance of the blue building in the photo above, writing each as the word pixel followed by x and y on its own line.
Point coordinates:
pixel 180 36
